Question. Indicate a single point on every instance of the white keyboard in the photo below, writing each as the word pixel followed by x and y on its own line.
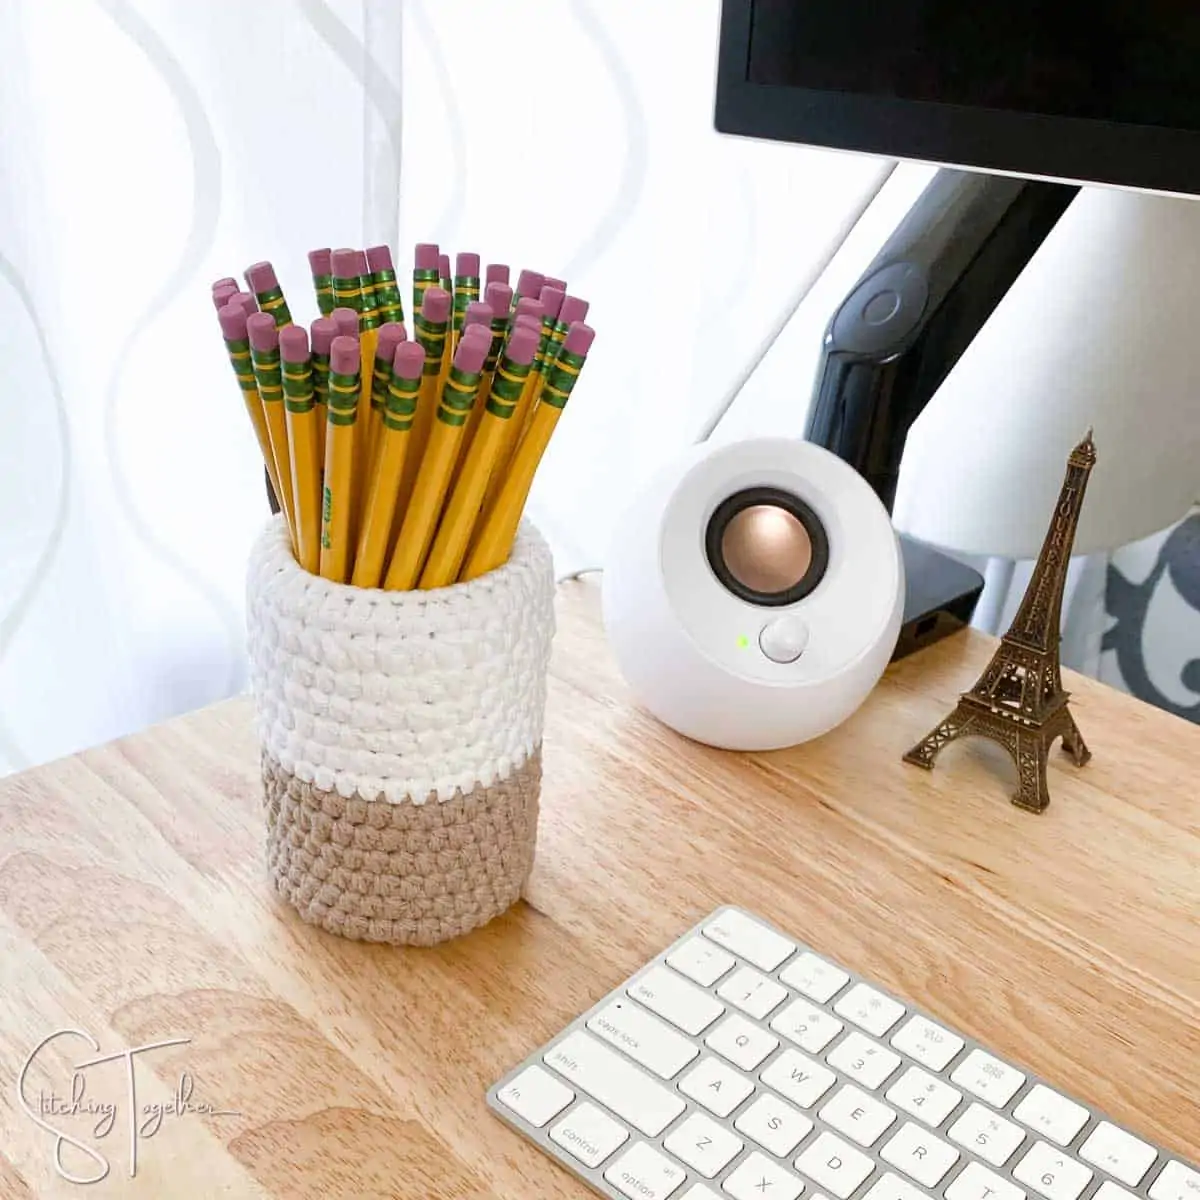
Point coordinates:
pixel 741 1064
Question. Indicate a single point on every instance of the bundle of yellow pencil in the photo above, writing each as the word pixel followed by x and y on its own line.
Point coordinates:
pixel 402 455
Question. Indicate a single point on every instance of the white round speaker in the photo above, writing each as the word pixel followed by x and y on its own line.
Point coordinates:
pixel 753 593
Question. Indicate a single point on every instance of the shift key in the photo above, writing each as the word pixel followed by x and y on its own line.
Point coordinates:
pixel 682 1003
pixel 621 1087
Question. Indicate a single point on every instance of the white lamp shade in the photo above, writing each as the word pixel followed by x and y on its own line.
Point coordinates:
pixel 1101 330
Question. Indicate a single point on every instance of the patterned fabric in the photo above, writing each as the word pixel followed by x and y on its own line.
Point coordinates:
pixel 1151 643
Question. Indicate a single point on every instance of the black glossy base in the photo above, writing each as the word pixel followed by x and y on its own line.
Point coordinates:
pixel 940 596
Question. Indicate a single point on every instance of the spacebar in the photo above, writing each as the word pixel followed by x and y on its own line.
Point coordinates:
pixel 617 1084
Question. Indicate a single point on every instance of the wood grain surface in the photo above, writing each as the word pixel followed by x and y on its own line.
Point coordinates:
pixel 134 909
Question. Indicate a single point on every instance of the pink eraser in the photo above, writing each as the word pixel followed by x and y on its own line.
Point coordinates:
pixel 261 277
pixel 526 321
pixel 344 356
pixel 346 320
pixel 320 261
pixel 497 273
pixel 528 306
pixel 379 258
pixel 222 295
pixel 550 281
pixel 579 338
pixel 523 344
pixel 435 305
pixel 425 257
pixel 467 264
pixel 224 281
pixel 233 322
pixel 408 361
pixel 573 309
pixel 263 333
pixel 444 266
pixel 471 352
pixel 551 298
pixel 391 334
pixel 293 343
pixel 478 313
pixel 344 264
pixel 499 296
pixel 529 283
pixel 247 301
pixel 360 264
pixel 324 330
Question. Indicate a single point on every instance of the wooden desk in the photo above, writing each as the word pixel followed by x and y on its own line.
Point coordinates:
pixel 133 906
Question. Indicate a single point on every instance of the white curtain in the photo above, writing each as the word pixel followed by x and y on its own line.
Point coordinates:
pixel 148 147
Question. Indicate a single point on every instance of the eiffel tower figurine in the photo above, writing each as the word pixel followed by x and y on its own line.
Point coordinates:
pixel 1019 699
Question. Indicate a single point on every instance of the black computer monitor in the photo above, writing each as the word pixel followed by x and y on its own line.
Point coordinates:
pixel 1106 91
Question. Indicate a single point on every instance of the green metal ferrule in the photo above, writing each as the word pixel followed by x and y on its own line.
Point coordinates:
pixel 561 379
pixel 343 398
pixel 272 301
pixel 323 286
pixel 347 293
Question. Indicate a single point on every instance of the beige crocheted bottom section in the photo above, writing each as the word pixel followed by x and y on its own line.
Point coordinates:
pixel 407 874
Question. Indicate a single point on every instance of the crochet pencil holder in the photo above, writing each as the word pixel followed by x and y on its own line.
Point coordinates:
pixel 401 741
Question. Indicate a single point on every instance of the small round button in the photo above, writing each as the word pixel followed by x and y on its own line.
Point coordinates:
pixel 784 639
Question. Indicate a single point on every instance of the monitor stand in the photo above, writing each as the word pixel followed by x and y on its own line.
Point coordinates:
pixel 895 338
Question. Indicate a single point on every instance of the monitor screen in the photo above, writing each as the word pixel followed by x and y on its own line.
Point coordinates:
pixel 1105 60
pixel 1105 91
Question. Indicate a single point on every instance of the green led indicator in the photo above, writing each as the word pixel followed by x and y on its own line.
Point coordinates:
pixel 743 641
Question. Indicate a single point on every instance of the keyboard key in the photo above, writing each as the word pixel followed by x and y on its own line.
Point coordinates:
pixel 774 1125
pixel 752 993
pixel 835 1165
pixel 646 1039
pixel 620 1086
pixel 930 1044
pixel 857 1115
pixel 923 1096
pixel 986 1135
pixel 1053 1116
pixel 865 1061
pixel 892 1187
pixel 680 1002
pixel 798 1078
pixel 588 1134
pixel 703 1144
pixel 814 977
pixel 806 1025
pixel 1119 1154
pixel 1111 1191
pixel 1176 1182
pixel 758 1178
pixel 641 1173
pixel 535 1095
pixel 1051 1173
pixel 757 944
pixel 988 1078
pixel 869 1009
pixel 744 1044
pixel 974 1182
pixel 920 1155
pixel 714 1085
pixel 701 961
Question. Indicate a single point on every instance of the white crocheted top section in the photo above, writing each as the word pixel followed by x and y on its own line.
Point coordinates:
pixel 403 696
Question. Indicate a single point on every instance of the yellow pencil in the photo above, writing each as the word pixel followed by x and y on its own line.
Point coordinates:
pixel 430 325
pixel 303 436
pixel 264 356
pixel 268 293
pixel 513 428
pixel 437 463
pixel 391 335
pixel 493 544
pixel 369 323
pixel 237 343
pixel 462 512
pixel 324 330
pixel 337 496
pixel 479 312
pixel 392 446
